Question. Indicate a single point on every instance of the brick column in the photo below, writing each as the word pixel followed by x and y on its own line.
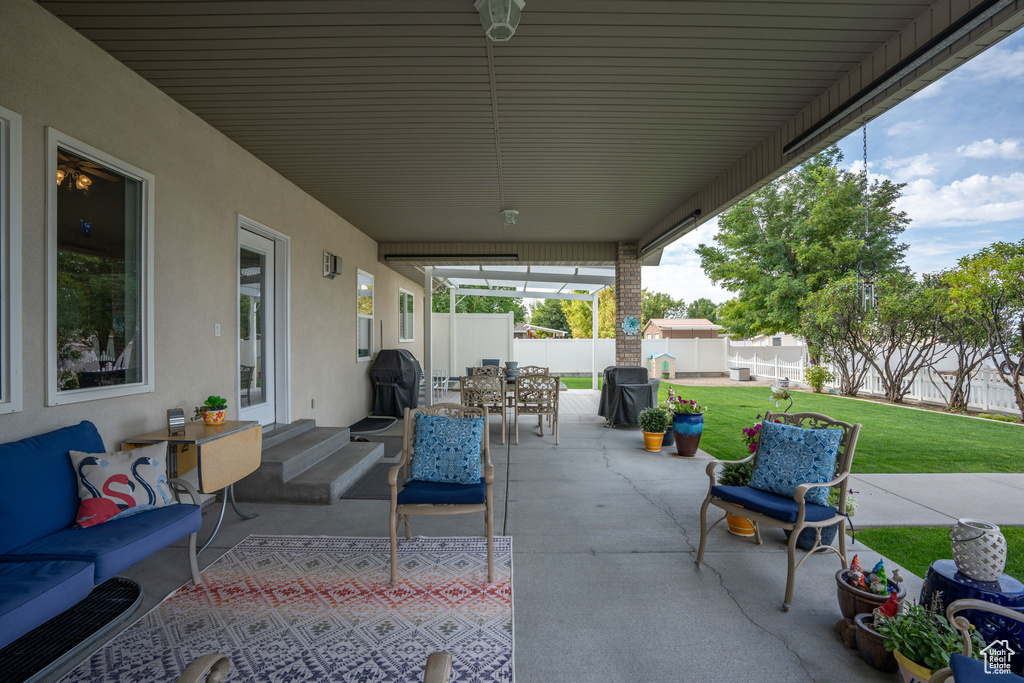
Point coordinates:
pixel 627 303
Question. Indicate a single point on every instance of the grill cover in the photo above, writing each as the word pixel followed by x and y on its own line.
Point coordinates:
pixel 626 391
pixel 396 382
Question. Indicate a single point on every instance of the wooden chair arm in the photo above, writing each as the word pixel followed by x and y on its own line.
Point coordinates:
pixel 964 627
pixel 710 469
pixel 489 473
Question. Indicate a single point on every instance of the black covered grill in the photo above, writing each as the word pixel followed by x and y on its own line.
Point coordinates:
pixel 396 382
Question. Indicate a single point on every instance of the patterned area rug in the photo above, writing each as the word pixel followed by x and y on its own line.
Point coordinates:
pixel 306 608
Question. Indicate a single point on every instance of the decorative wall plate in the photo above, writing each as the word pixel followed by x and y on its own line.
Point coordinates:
pixel 630 325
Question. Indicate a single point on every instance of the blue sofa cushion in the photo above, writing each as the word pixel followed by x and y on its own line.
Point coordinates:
pixel 40 486
pixel 117 544
pixel 788 456
pixel 968 670
pixel 435 493
pixel 32 593
pixel 447 449
pixel 784 509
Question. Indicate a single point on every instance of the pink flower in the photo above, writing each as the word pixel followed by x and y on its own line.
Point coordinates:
pixel 753 447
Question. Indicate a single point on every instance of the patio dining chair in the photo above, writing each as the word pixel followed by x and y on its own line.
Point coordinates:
pixel 995 621
pixel 537 395
pixel 245 380
pixel 437 450
pixel 528 370
pixel 486 391
pixel 799 457
pixel 488 371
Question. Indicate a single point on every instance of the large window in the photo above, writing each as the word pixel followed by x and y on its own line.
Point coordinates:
pixel 405 317
pixel 10 261
pixel 100 317
pixel 364 316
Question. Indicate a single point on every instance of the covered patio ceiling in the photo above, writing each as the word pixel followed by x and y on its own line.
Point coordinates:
pixel 600 121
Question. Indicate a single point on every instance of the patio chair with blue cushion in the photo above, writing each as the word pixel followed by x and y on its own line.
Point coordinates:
pixel 446 468
pixel 963 668
pixel 799 458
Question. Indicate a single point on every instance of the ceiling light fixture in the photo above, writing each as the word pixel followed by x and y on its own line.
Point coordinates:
pixel 81 181
pixel 500 18
pixel 509 216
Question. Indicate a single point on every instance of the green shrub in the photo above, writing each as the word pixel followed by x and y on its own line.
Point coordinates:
pixel 736 474
pixel 654 420
pixel 818 376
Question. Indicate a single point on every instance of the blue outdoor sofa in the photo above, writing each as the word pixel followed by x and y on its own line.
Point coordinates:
pixel 46 565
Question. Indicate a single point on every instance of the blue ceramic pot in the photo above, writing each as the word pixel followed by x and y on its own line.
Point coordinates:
pixel 687 429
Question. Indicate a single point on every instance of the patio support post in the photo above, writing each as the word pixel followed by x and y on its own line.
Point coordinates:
pixel 428 344
pixel 627 303
pixel 451 333
pixel 593 341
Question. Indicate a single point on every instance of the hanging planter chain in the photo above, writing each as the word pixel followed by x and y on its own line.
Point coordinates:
pixel 866 270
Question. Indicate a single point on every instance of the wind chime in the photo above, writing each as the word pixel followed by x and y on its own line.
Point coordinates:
pixel 867 270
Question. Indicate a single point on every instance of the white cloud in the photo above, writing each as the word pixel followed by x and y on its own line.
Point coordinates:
pixel 909 168
pixel 995 64
pixel 931 90
pixel 680 274
pixel 1011 148
pixel 975 200
pixel 904 128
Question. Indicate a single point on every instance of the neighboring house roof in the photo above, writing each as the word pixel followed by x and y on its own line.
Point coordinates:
pixel 659 355
pixel 683 324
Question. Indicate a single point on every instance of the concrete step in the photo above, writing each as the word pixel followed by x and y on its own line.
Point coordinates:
pixel 324 483
pixel 276 433
pixel 297 454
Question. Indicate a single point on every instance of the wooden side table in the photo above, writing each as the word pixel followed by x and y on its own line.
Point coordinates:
pixel 219 455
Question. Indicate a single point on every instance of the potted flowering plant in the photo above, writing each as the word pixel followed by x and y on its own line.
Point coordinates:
pixel 922 639
pixel 687 422
pixel 213 411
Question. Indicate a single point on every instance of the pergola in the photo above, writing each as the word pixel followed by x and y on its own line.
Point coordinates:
pixel 575 283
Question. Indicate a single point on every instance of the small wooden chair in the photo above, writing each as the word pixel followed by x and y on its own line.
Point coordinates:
pixel 791 514
pixel 431 498
pixel 963 668
pixel 537 395
pixel 486 391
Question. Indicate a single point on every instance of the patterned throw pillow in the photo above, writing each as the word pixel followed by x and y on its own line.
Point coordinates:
pixel 115 485
pixel 447 449
pixel 789 456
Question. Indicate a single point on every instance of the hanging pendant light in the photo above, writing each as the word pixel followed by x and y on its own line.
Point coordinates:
pixel 500 18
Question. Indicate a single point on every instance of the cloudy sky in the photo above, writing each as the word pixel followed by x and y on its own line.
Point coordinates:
pixel 959 146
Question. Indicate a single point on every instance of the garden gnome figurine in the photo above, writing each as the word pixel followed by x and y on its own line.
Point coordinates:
pixel 887 611
pixel 879 584
pixel 856 575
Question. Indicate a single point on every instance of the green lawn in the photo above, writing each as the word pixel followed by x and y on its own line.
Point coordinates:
pixel 892 439
pixel 916 547
pixel 582 382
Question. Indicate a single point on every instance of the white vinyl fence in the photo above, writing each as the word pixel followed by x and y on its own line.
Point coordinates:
pixel 565 356
pixel 988 393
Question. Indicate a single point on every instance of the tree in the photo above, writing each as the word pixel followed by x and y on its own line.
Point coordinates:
pixel 794 236
pixel 548 313
pixel 832 322
pixel 659 305
pixel 580 319
pixel 965 341
pixel 703 308
pixel 899 333
pixel 988 288
pixel 481 304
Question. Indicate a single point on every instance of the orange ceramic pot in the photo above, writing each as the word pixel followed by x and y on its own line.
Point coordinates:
pixel 214 417
pixel 740 526
pixel 653 441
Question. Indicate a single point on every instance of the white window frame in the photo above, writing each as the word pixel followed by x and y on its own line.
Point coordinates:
pixel 54 397
pixel 404 294
pixel 10 262
pixel 364 316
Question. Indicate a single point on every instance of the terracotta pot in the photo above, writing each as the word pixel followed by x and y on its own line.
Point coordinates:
pixel 871 645
pixel 854 601
pixel 214 417
pixel 911 672
pixel 653 441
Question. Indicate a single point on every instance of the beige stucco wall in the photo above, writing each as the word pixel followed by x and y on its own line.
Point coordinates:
pixel 52 76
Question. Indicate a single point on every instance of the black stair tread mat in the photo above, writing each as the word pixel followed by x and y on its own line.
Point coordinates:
pixel 47 644
pixel 372 424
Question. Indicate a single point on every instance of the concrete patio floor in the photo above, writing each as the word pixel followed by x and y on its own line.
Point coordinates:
pixel 605 587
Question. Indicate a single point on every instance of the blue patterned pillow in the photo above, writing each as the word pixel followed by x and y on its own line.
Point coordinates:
pixel 789 456
pixel 447 449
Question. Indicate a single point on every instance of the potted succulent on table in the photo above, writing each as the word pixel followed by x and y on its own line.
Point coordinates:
pixel 922 641
pixel 654 422
pixel 687 423
pixel 213 411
